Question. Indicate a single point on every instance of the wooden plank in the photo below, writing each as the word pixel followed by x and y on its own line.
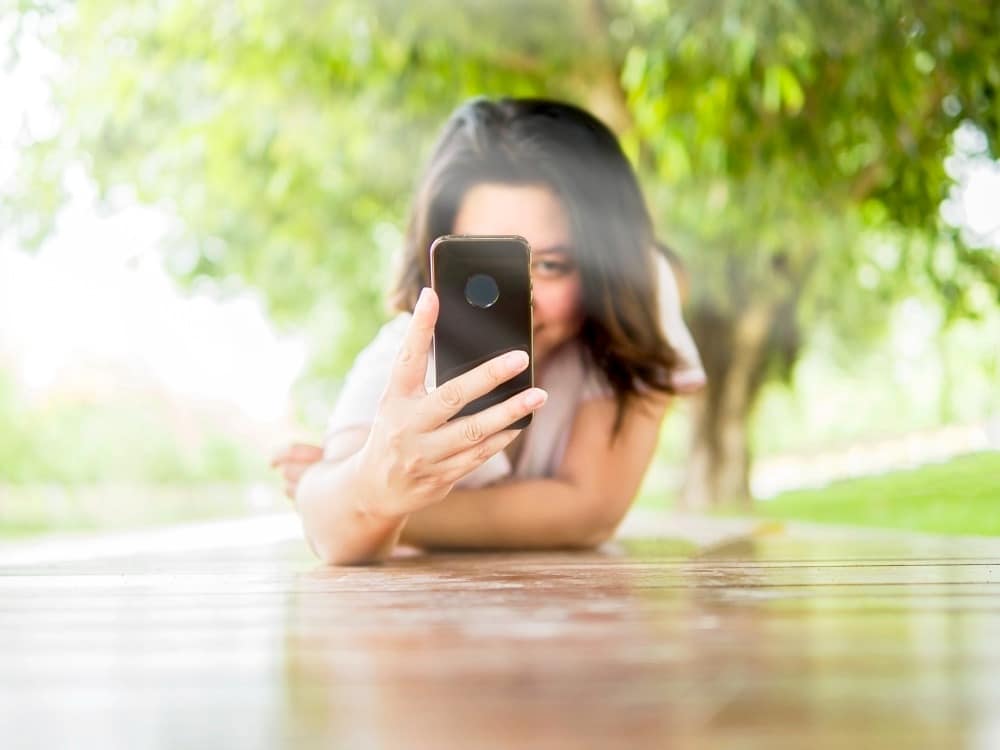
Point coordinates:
pixel 776 641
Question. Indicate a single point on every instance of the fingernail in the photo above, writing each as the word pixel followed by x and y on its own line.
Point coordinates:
pixel 422 300
pixel 535 397
pixel 515 360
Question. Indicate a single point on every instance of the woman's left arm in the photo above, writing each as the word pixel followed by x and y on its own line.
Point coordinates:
pixel 581 506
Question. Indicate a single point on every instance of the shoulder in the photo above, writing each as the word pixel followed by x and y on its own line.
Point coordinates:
pixel 688 374
pixel 389 336
pixel 381 350
pixel 357 400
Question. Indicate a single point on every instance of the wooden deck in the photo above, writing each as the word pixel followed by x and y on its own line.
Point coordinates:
pixel 772 640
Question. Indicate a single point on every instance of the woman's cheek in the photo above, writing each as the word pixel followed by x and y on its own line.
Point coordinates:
pixel 558 302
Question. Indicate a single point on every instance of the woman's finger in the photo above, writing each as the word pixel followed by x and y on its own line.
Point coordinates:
pixel 293 471
pixel 461 434
pixel 447 400
pixel 305 452
pixel 457 466
pixel 410 368
pixel 280 457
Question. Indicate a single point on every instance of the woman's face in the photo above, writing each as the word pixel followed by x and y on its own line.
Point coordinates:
pixel 535 213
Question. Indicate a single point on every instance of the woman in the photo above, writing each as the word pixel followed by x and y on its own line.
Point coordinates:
pixel 609 344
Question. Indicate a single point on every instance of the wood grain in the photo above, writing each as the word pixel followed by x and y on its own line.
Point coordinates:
pixel 771 642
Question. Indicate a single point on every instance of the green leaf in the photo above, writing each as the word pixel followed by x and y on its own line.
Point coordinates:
pixel 791 91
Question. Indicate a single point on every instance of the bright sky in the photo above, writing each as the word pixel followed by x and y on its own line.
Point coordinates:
pixel 97 292
pixel 97 295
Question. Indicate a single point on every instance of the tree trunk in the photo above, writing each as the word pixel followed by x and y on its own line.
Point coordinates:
pixel 733 349
pixel 598 79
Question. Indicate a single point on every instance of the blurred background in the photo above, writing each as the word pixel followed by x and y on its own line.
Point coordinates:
pixel 200 203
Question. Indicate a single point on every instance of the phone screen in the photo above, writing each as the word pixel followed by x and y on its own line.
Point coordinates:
pixel 484 287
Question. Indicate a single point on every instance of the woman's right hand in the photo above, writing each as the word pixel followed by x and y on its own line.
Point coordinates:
pixel 293 460
pixel 414 455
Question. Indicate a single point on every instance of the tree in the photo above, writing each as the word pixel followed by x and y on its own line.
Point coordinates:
pixel 800 143
pixel 784 146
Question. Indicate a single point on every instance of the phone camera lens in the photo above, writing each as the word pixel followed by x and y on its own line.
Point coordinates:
pixel 481 290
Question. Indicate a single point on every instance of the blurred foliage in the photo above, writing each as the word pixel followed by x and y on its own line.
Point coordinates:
pixel 779 141
pixel 794 153
pixel 31 509
pixel 129 440
pixel 926 374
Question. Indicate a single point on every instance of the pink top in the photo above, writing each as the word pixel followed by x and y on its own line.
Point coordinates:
pixel 567 379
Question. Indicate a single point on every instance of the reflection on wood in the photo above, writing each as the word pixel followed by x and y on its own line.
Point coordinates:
pixel 759 642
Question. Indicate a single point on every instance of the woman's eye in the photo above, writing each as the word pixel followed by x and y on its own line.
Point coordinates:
pixel 551 267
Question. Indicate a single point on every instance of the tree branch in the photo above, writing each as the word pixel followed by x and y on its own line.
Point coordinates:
pixel 605 95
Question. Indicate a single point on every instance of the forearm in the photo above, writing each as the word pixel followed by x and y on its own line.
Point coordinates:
pixel 329 500
pixel 529 514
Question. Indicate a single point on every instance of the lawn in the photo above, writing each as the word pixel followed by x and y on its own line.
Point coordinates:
pixel 961 496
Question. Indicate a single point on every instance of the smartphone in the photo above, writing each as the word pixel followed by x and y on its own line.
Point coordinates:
pixel 483 284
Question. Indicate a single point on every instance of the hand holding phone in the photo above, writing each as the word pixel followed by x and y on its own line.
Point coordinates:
pixel 417 449
pixel 484 287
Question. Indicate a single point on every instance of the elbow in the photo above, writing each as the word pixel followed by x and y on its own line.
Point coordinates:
pixel 333 548
pixel 344 545
pixel 332 529
pixel 601 523
pixel 344 560
pixel 594 537
pixel 335 555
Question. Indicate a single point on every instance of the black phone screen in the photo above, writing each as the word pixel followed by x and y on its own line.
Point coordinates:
pixel 484 288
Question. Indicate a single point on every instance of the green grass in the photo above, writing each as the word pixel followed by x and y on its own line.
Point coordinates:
pixel 961 496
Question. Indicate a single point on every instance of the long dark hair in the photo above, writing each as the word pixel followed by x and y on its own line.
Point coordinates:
pixel 568 150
